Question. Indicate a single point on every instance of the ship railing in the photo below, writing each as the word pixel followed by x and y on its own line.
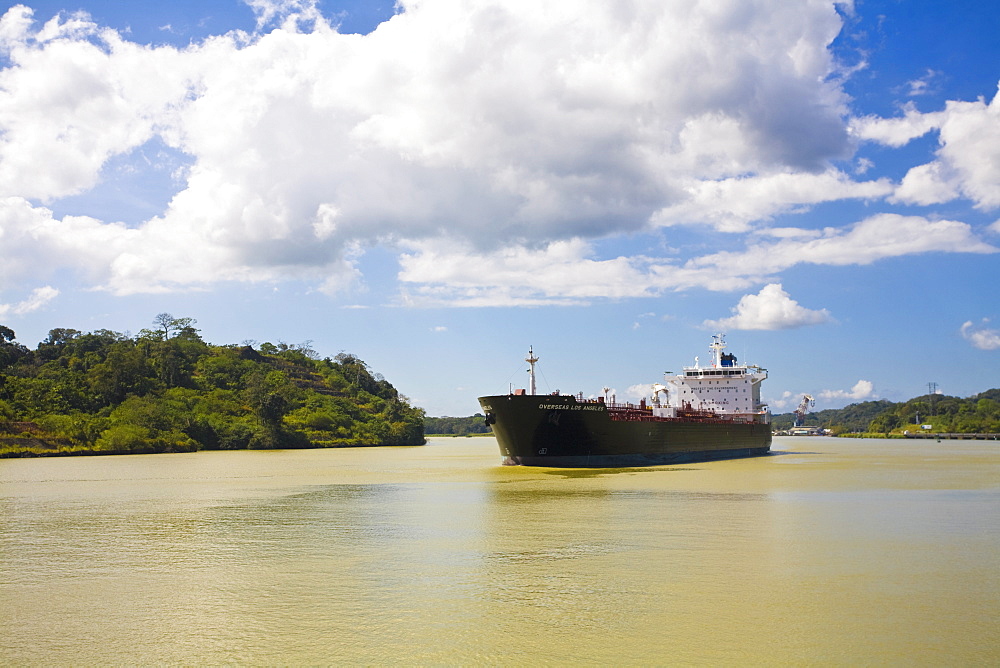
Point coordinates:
pixel 612 405
pixel 646 417
pixel 632 413
pixel 629 412
pixel 618 406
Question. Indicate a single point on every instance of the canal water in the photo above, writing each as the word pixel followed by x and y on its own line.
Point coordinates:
pixel 828 552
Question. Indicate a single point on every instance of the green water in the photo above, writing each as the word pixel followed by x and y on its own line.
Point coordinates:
pixel 831 552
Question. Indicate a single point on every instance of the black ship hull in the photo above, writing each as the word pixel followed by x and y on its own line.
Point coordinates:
pixel 559 431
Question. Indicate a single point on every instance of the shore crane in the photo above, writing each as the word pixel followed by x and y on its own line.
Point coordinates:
pixel 804 406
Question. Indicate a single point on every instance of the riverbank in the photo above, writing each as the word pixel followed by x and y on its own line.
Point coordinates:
pixel 952 436
pixel 15 447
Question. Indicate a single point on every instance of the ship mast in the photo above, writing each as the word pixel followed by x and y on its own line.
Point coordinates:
pixel 718 345
pixel 531 359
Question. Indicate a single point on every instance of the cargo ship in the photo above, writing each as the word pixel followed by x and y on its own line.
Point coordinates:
pixel 711 411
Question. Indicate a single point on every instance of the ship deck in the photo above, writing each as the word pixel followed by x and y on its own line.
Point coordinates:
pixel 628 412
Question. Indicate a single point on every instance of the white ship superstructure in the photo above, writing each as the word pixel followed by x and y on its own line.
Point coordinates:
pixel 722 387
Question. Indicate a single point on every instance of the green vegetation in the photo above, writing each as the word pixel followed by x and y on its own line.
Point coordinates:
pixel 456 426
pixel 945 415
pixel 166 390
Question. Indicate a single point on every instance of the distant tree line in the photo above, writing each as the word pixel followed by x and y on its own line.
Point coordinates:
pixel 167 390
pixel 458 426
pixel 944 414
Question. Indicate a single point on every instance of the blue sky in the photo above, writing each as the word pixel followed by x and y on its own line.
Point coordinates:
pixel 434 186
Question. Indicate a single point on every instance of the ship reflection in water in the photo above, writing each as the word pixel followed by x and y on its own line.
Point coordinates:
pixel 838 551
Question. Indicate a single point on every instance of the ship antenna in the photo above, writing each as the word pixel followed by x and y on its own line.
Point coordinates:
pixel 531 359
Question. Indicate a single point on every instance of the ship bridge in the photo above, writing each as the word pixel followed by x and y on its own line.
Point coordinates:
pixel 723 386
pixel 698 372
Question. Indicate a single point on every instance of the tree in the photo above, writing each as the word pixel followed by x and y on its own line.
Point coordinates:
pixel 176 358
pixel 884 423
pixel 58 338
pixel 10 351
pixel 460 426
pixel 61 335
pixel 224 369
pixel 269 396
pixel 125 370
pixel 169 323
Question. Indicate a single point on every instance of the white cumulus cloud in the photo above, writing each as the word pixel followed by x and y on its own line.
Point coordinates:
pixel 878 237
pixel 981 336
pixel 771 308
pixel 572 272
pixel 734 204
pixel 493 143
pixel 38 298
pixel 640 391
pixel 968 158
pixel 510 123
pixel 897 131
pixel 863 389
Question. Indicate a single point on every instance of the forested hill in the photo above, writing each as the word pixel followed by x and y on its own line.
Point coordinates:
pixel 945 414
pixel 167 390
pixel 457 426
